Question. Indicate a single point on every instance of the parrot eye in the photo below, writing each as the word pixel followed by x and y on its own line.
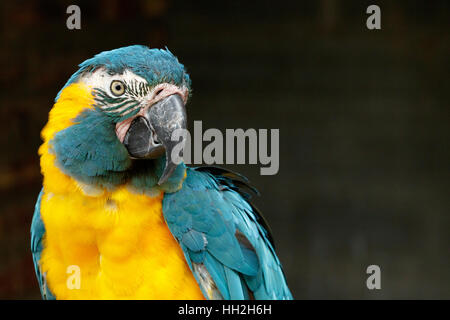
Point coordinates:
pixel 117 88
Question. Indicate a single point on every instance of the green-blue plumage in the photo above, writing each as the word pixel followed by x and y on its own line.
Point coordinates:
pixel 217 227
pixel 37 236
pixel 154 65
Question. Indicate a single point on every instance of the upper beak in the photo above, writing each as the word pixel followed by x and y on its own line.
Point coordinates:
pixel 150 135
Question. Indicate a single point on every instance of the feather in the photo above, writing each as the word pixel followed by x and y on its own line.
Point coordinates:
pixel 37 234
pixel 209 214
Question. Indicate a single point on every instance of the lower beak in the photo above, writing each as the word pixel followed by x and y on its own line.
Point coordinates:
pixel 150 136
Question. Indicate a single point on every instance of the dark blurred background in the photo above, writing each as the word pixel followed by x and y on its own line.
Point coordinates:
pixel 363 118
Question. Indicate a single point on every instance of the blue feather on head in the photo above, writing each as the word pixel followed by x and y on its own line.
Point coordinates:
pixel 154 65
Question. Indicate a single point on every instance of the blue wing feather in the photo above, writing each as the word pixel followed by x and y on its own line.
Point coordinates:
pixel 37 235
pixel 222 232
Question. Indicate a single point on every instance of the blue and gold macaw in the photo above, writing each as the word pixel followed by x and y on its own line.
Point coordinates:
pixel 115 206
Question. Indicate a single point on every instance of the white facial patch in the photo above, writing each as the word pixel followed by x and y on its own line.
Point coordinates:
pixel 136 99
pixel 100 78
pixel 135 94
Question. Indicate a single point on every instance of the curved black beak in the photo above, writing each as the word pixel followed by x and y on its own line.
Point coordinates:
pixel 150 136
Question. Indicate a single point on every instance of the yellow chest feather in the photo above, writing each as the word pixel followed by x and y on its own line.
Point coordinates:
pixel 118 245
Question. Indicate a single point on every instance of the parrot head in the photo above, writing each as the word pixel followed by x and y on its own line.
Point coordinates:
pixel 120 107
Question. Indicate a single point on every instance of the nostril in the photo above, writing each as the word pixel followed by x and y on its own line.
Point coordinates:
pixel 158 92
pixel 156 140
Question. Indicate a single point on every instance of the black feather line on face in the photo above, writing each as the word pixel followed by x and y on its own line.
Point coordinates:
pixel 138 89
pixel 125 106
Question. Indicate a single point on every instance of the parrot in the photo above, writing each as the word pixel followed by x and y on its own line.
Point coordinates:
pixel 118 218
